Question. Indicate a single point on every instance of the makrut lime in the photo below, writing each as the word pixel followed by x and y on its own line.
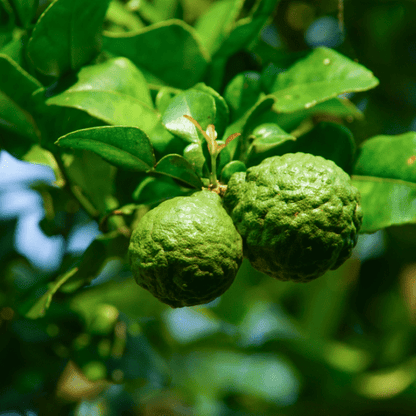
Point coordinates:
pixel 186 251
pixel 299 215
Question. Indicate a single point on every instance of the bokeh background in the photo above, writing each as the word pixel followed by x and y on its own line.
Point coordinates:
pixel 343 344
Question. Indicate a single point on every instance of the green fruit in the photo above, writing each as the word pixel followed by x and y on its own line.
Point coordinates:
pixel 298 214
pixel 186 251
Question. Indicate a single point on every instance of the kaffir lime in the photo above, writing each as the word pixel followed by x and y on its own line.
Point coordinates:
pixel 299 215
pixel 186 251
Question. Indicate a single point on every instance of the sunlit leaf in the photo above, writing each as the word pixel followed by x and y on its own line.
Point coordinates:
pixel 124 147
pixel 323 74
pixel 385 202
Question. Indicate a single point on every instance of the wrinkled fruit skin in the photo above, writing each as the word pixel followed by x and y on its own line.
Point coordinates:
pixel 186 251
pixel 299 215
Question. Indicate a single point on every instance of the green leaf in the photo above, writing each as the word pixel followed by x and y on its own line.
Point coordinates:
pixel 39 309
pixel 242 92
pixel 103 248
pixel 124 147
pixel 199 105
pixel 385 202
pixel 194 154
pixel 323 74
pixel 247 29
pixel 231 168
pixel 41 156
pixel 222 113
pixel 155 190
pixel 264 138
pixel 16 88
pixel 16 83
pixel 25 10
pixel 67 36
pixel 115 92
pixel 163 98
pixel 170 50
pixel 391 157
pixel 122 19
pixel 215 25
pixel 179 168
pixel 338 107
pixel 16 120
pixel 15 48
pixel 331 141
pixel 261 133
pixel 92 179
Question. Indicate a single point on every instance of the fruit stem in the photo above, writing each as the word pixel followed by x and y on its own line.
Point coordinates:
pixel 213 176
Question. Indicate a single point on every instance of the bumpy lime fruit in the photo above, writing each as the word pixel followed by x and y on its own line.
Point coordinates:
pixel 299 215
pixel 186 251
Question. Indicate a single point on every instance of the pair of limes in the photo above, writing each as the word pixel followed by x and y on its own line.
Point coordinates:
pixel 293 216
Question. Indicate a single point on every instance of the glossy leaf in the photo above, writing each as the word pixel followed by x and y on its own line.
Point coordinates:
pixel 331 141
pixel 391 157
pixel 264 139
pixel 323 74
pixel 199 105
pixel 177 167
pixel 163 98
pixel 230 168
pixel 67 36
pixel 39 309
pixel 222 113
pixel 170 50
pixel 115 92
pixel 194 154
pixel 338 107
pixel 385 202
pixel 124 147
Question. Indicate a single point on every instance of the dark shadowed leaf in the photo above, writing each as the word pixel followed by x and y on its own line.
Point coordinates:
pixel 179 168
pixel 154 190
pixel 67 36
pixel 16 88
pixel 103 248
pixel 124 147
pixel 331 141
pixel 25 10
pixel 16 83
pixel 242 92
pixel 39 309
pixel 170 50
pixel 323 74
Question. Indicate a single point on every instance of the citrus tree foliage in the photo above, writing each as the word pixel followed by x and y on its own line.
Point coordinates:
pixel 132 104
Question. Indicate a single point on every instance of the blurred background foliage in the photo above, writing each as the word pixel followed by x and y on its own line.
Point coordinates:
pixel 343 344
